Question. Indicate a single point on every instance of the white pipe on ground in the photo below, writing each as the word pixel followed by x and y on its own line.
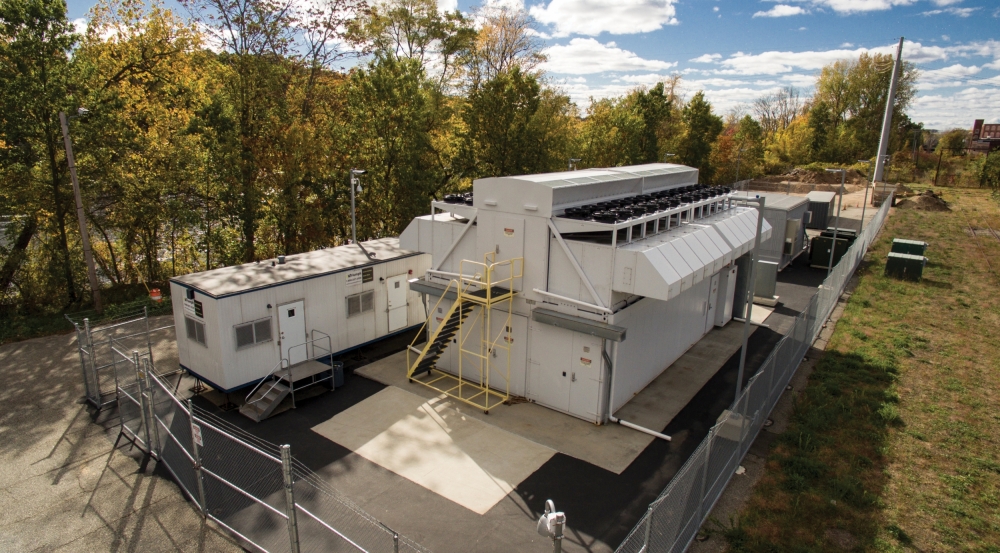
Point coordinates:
pixel 640 429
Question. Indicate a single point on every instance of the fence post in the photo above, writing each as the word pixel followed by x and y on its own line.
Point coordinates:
pixel 649 527
pixel 143 400
pixel 149 344
pixel 150 404
pixel 286 472
pixel 704 478
pixel 196 454
pixel 81 347
pixel 93 365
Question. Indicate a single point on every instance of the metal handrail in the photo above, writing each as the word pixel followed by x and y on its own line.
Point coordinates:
pixel 306 344
pixel 423 327
pixel 277 368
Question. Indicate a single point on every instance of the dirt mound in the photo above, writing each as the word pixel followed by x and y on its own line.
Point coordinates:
pixel 928 201
pixel 817 177
pixel 801 188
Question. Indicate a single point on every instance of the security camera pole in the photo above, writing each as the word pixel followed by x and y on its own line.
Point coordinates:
pixel 88 255
pixel 356 184
pixel 836 225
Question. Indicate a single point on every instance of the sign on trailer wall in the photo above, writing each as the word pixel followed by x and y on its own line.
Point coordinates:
pixel 360 276
pixel 193 308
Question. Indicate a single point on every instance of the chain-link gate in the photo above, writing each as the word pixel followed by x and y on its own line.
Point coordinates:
pixel 96 346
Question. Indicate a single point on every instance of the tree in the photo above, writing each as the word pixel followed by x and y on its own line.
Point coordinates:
pixel 702 127
pixel 790 146
pixel 775 111
pixel 35 85
pixel 504 42
pixel 856 93
pixel 389 117
pixel 417 30
pixel 953 142
pixel 823 124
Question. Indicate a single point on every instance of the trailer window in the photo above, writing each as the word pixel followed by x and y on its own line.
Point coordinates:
pixel 360 303
pixel 195 330
pixel 255 332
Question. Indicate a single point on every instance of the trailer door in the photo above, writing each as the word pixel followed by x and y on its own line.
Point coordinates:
pixel 292 326
pixel 397 287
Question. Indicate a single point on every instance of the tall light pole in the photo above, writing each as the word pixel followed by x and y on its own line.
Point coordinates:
pixel 88 255
pixel 356 186
pixel 865 203
pixel 836 225
pixel 751 288
pixel 883 143
pixel 667 155
pixel 572 163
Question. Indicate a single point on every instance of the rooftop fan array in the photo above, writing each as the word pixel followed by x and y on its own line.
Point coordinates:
pixel 458 198
pixel 617 211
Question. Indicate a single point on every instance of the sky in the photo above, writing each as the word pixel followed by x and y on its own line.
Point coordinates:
pixel 736 51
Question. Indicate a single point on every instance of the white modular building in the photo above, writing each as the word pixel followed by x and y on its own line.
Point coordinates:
pixel 236 324
pixel 614 274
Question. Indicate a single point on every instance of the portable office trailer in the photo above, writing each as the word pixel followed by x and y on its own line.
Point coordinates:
pixel 786 215
pixel 235 324
pixel 822 205
pixel 624 269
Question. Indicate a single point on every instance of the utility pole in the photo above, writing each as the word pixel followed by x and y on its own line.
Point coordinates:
pixel 88 255
pixel 883 143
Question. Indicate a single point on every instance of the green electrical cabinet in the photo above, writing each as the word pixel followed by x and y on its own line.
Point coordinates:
pixel 820 246
pixel 911 247
pixel 904 266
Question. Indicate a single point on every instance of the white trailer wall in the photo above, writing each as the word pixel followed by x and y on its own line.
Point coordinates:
pixel 325 310
pixel 659 332
pixel 207 357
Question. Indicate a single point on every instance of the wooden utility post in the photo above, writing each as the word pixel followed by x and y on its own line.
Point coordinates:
pixel 88 255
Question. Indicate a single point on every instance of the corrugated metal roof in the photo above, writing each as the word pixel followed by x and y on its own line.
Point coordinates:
pixel 249 276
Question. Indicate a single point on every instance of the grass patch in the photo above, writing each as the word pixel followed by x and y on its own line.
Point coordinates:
pixel 894 441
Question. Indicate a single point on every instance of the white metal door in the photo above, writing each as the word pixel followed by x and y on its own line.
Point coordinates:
pixel 397 288
pixel 713 300
pixel 292 326
pixel 586 367
pixel 549 370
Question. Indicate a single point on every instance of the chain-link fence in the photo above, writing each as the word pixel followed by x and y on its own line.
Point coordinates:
pixel 673 519
pixel 252 488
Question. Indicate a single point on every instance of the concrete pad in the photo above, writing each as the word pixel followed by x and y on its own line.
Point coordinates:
pixel 659 402
pixel 758 315
pixel 431 444
pixel 611 447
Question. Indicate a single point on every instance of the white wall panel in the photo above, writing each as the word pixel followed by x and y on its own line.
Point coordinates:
pixel 658 334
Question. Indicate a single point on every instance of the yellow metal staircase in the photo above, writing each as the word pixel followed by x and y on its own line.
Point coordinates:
pixel 479 299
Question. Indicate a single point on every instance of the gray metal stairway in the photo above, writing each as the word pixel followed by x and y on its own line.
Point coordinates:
pixel 263 402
